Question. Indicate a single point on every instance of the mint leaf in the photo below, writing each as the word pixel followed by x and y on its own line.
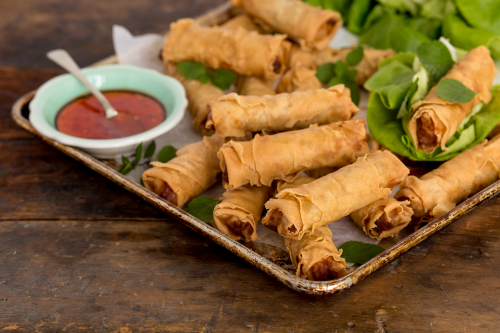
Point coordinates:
pixel 223 78
pixel 358 252
pixel 454 91
pixel 138 154
pixel 355 56
pixel 150 150
pixel 191 70
pixel 325 72
pixel 436 59
pixel 204 78
pixel 202 208
pixel 126 166
pixel 166 154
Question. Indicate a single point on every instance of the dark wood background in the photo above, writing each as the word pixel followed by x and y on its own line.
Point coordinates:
pixel 69 262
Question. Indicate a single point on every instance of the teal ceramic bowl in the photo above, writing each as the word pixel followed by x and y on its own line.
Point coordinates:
pixel 56 93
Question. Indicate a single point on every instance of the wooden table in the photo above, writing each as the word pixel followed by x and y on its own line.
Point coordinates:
pixel 70 263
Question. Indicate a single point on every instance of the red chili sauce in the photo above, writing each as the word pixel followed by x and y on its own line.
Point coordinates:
pixel 84 117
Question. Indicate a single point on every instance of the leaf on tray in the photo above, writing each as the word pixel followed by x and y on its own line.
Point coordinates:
pixel 166 154
pixel 138 155
pixel 325 72
pixel 191 69
pixel 454 91
pixel 223 78
pixel 126 167
pixel 150 150
pixel 358 252
pixel 202 208
pixel 355 56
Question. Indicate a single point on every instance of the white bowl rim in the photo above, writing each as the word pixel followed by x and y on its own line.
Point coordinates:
pixel 40 124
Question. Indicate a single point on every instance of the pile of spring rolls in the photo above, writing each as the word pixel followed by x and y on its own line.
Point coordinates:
pixel 285 143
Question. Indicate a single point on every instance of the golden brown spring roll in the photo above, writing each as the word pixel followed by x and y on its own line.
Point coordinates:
pixel 440 190
pixel 298 79
pixel 242 51
pixel 435 120
pixel 244 21
pixel 254 86
pixel 198 95
pixel 302 210
pixel 313 26
pixel 299 181
pixel 383 218
pixel 316 257
pixel 285 155
pixel 240 210
pixel 300 57
pixel 194 170
pixel 232 115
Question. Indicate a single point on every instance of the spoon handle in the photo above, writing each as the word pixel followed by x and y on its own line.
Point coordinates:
pixel 63 59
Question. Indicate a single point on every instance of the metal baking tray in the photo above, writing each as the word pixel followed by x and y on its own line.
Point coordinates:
pixel 273 263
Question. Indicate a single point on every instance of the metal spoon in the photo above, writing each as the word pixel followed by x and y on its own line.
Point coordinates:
pixel 63 59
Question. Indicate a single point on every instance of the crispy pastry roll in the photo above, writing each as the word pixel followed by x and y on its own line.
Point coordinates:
pixel 285 155
pixel 298 79
pixel 299 57
pixel 299 181
pixel 299 211
pixel 242 51
pixel 254 86
pixel 194 170
pixel 244 21
pixel 198 95
pixel 383 218
pixel 440 190
pixel 232 115
pixel 435 120
pixel 316 257
pixel 240 210
pixel 312 25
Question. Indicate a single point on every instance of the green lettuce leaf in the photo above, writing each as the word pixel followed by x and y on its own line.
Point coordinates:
pixel 438 9
pixel 465 37
pixel 358 12
pixel 426 26
pixel 404 6
pixel 484 14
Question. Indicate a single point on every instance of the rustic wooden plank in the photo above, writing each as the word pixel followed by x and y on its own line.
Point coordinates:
pixel 98 275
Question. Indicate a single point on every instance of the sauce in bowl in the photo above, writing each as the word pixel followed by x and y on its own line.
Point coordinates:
pixel 85 118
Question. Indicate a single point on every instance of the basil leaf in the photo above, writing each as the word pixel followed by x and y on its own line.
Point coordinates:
pixel 191 69
pixel 138 154
pixel 166 154
pixel 126 166
pixel 355 56
pixel 454 91
pixel 223 78
pixel 358 252
pixel 202 208
pixel 325 72
pixel 436 59
pixel 150 150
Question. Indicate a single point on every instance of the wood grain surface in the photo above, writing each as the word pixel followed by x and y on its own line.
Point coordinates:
pixel 70 263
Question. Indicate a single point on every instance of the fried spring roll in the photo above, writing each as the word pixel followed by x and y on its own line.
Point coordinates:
pixel 312 25
pixel 285 155
pixel 440 190
pixel 299 181
pixel 299 211
pixel 244 21
pixel 194 170
pixel 240 210
pixel 254 86
pixel 300 57
pixel 316 257
pixel 298 79
pixel 244 52
pixel 232 115
pixel 198 95
pixel 383 218
pixel 435 120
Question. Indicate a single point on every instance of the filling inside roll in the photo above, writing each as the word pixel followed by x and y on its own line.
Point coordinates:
pixel 162 189
pixel 277 65
pixel 237 227
pixel 426 132
pixel 326 269
pixel 326 29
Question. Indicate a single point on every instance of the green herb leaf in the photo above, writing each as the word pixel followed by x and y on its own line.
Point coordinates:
pixel 341 69
pixel 150 150
pixel 191 69
pixel 142 182
pixel 454 91
pixel 325 72
pixel 355 56
pixel 436 59
pixel 223 78
pixel 358 252
pixel 166 154
pixel 204 78
pixel 126 166
pixel 202 208
pixel 138 154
